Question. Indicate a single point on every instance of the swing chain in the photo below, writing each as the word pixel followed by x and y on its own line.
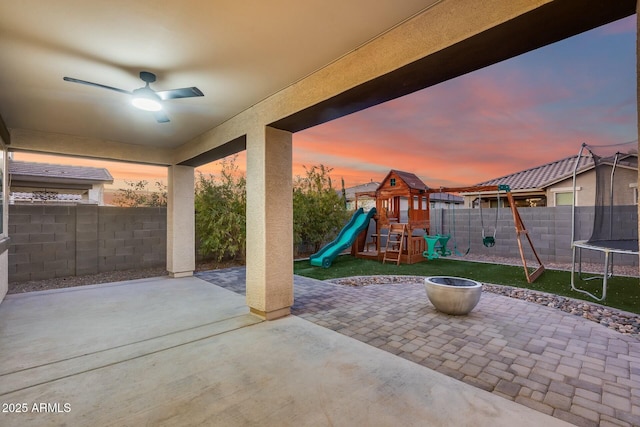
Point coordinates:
pixel 490 241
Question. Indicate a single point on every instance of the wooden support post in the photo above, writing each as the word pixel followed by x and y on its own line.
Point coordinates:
pixel 520 230
pixel 517 220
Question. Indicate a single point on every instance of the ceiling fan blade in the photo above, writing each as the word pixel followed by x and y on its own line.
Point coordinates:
pixel 161 117
pixel 84 82
pixel 185 92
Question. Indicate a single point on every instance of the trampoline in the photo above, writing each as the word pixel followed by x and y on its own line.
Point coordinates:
pixel 608 236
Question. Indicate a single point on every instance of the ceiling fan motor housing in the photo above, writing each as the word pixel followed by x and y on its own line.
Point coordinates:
pixel 147 77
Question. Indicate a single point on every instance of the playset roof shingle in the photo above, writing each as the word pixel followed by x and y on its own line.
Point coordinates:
pixel 410 179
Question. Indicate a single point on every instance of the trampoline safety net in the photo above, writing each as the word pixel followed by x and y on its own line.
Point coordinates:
pixel 613 196
pixel 615 220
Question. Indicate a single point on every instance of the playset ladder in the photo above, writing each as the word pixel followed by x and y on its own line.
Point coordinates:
pixel 395 243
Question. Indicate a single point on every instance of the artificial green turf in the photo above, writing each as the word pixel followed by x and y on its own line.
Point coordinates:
pixel 622 292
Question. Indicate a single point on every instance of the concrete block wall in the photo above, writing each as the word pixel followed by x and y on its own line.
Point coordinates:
pixel 131 238
pixel 86 255
pixel 59 241
pixel 42 242
pixel 549 228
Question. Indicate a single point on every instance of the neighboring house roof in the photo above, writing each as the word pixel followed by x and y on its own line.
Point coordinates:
pixel 34 172
pixel 627 160
pixel 542 176
pixel 362 188
pixel 446 198
pixel 410 179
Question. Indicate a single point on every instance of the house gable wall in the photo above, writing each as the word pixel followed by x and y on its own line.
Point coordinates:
pixel 586 194
pixel 624 193
pixel 399 189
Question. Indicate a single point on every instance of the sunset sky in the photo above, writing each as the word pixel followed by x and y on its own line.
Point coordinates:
pixel 520 113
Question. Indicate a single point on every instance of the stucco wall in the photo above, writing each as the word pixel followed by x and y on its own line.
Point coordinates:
pixel 625 181
pixel 59 241
pixel 585 193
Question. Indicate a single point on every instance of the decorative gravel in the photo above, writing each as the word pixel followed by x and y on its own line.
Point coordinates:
pixel 621 321
pixel 89 279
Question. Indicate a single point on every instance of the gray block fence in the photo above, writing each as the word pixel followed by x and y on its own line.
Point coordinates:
pixel 50 241
pixel 548 227
pixel 60 241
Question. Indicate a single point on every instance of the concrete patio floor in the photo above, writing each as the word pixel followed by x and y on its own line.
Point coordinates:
pixel 186 352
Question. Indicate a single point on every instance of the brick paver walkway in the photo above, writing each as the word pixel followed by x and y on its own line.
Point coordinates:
pixel 551 361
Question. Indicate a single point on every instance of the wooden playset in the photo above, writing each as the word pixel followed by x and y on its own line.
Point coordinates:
pixel 409 239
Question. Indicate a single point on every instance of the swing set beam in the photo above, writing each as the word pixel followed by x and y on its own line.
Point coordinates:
pixel 517 221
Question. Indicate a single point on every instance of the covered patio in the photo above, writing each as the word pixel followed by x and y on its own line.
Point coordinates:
pixel 187 352
pixel 266 73
pixel 179 350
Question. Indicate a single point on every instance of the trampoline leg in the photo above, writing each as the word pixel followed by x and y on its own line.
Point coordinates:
pixel 606 275
pixel 580 263
pixel 611 265
pixel 573 269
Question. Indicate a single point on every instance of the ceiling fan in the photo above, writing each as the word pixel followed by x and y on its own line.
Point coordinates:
pixel 146 98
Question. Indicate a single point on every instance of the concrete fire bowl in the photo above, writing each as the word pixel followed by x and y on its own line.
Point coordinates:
pixel 453 295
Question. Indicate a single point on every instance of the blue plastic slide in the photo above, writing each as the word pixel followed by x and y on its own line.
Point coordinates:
pixel 358 222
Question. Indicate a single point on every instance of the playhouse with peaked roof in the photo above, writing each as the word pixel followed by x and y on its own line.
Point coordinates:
pixel 401 198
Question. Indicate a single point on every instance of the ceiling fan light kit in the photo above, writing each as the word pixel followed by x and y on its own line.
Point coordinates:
pixel 146 98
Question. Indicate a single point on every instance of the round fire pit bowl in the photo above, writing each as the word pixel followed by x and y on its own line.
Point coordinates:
pixel 453 295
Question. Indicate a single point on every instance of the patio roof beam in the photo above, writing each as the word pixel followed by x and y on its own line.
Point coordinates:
pixel 540 26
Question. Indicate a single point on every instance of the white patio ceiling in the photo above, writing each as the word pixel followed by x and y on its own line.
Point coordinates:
pixel 236 52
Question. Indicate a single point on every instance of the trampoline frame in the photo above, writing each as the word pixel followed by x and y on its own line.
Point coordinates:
pixel 577 246
pixel 608 265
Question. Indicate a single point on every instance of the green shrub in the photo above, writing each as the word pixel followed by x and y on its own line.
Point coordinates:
pixel 319 211
pixel 220 205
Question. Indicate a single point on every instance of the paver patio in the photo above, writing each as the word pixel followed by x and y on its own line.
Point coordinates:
pixel 551 361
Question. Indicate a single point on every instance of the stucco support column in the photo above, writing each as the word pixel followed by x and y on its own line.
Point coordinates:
pixel 638 95
pixel 180 221
pixel 269 223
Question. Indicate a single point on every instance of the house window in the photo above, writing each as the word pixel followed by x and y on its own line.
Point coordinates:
pixel 563 196
pixel 564 199
pixel 392 182
pixel 634 187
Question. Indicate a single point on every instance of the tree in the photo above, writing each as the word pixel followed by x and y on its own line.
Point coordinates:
pixel 137 195
pixel 319 211
pixel 220 204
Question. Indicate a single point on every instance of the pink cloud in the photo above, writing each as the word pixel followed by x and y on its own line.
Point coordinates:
pixel 456 133
pixel 477 146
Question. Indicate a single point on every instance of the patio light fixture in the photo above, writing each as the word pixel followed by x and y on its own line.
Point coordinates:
pixel 146 99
